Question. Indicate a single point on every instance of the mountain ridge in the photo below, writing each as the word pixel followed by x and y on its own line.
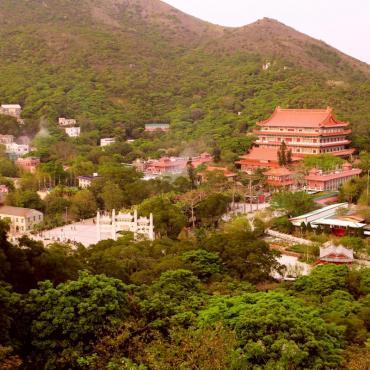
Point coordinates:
pixel 106 62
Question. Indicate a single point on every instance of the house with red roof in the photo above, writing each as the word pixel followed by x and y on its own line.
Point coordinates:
pixel 318 180
pixel 230 175
pixel 280 177
pixel 335 254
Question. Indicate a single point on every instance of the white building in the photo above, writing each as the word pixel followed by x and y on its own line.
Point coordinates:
pixel 73 131
pixel 17 150
pixel 108 225
pixel 22 220
pixel 66 121
pixel 13 110
pixel 85 182
pixel 107 141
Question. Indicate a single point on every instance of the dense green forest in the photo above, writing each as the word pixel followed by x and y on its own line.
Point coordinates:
pixel 176 304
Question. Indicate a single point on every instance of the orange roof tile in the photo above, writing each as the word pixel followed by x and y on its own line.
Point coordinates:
pixel 263 154
pixel 280 171
pixel 302 118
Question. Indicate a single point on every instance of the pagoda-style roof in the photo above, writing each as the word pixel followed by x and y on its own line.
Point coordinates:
pixel 263 154
pixel 279 172
pixel 306 118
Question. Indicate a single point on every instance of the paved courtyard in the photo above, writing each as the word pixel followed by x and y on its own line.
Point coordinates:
pixel 83 232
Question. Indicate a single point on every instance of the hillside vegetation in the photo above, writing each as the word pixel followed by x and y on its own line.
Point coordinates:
pixel 120 63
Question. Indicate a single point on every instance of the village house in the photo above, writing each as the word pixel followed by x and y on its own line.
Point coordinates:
pixel 73 131
pixel 4 191
pixel 63 122
pixel 22 220
pixel 157 127
pixel 170 165
pixel 13 110
pixel 107 141
pixel 229 175
pixel 304 131
pixel 85 182
pixel 28 164
pixel 6 139
pixel 281 177
pixel 17 150
pixel 318 180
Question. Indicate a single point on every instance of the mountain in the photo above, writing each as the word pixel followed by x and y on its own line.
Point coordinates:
pixel 119 63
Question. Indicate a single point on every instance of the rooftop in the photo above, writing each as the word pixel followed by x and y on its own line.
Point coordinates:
pixel 11 106
pixel 17 211
pixel 263 154
pixel 280 171
pixel 321 210
pixel 327 176
pixel 302 118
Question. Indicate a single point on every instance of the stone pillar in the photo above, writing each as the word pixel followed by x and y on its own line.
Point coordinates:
pixel 135 224
pixel 98 231
pixel 151 227
pixel 114 231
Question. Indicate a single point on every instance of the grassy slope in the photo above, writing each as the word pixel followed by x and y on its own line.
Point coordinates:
pixel 133 61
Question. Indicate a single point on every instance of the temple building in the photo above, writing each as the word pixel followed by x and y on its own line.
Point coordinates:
pixel 280 178
pixel 318 180
pixel 304 131
pixel 335 254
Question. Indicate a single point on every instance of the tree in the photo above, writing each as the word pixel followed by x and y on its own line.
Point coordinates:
pixel 9 302
pixel 83 204
pixel 325 162
pixel 352 189
pixel 69 319
pixel 216 154
pixel 25 199
pixel 190 201
pixel 112 196
pixel 243 255
pixel 210 209
pixel 7 168
pixel 282 154
pixel 276 331
pixel 187 349
pixel 323 280
pixel 191 174
pixel 293 204
pixel 172 298
pixel 168 218
pixel 289 158
pixel 203 264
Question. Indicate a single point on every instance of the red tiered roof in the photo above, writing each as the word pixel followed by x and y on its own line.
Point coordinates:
pixel 262 157
pixel 302 118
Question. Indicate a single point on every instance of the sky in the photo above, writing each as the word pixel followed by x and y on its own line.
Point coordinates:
pixel 343 24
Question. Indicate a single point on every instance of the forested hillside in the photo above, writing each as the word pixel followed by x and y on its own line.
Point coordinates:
pixel 120 63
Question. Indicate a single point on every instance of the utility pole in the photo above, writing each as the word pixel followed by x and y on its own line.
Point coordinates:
pixel 367 188
pixel 250 195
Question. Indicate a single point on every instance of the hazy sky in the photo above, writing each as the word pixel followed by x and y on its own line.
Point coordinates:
pixel 344 24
